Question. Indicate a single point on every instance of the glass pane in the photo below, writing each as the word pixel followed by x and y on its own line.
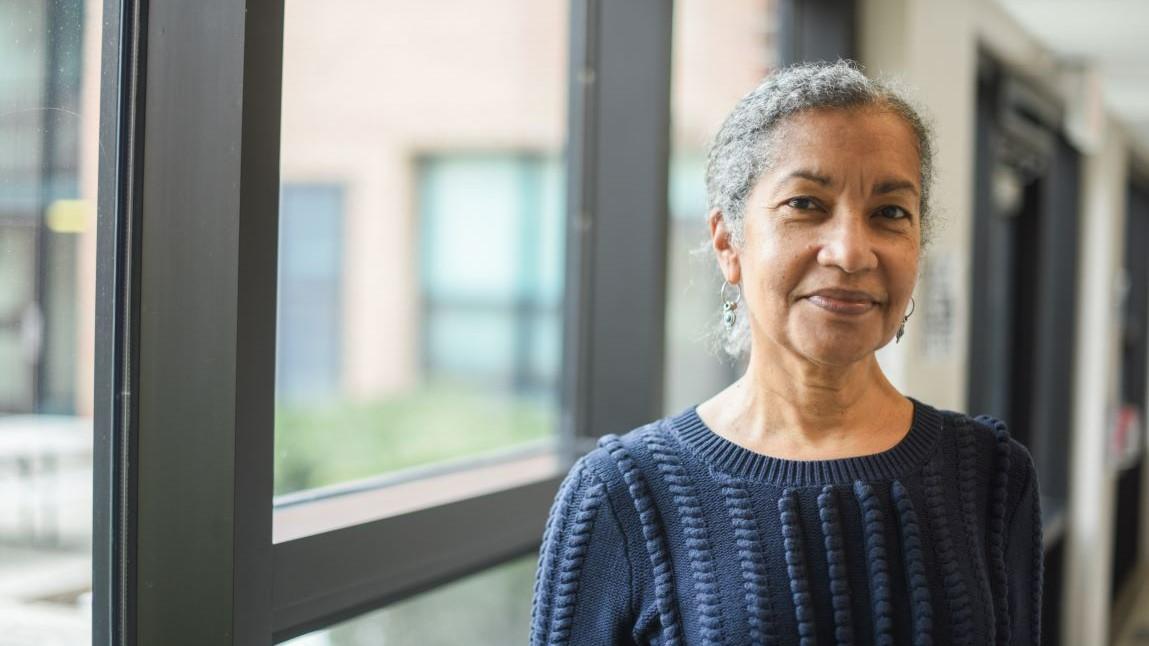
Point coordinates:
pixel 421 234
pixel 49 125
pixel 720 52
pixel 492 608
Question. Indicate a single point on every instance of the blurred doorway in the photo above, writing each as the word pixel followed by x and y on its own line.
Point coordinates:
pixel 1129 432
pixel 1022 324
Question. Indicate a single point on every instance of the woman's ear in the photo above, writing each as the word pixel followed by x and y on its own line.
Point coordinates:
pixel 721 239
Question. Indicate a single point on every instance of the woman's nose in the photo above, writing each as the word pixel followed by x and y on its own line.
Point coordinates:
pixel 847 244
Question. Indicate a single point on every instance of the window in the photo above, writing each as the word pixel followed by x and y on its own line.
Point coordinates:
pixel 493 322
pixel 421 314
pixel 49 93
pixel 310 293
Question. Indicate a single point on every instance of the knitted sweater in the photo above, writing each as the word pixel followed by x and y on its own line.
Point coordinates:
pixel 673 535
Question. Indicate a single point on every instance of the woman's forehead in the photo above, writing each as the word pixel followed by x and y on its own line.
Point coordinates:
pixel 824 145
pixel 859 126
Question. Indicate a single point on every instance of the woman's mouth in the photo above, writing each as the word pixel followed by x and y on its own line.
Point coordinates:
pixel 848 306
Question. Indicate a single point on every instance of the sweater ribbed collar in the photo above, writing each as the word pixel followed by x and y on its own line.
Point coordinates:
pixel 730 458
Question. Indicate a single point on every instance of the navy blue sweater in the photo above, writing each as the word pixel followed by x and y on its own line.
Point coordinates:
pixel 673 535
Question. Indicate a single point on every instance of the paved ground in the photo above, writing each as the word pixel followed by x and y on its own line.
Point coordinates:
pixel 1136 630
pixel 44 625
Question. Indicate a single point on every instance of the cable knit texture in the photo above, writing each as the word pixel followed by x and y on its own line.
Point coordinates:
pixel 673 535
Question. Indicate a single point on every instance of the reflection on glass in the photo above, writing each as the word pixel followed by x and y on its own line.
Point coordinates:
pixel 49 105
pixel 488 609
pixel 720 52
pixel 421 234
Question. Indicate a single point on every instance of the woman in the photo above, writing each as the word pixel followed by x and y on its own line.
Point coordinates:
pixel 810 501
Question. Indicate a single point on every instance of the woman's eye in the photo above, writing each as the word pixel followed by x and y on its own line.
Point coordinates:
pixel 893 212
pixel 801 203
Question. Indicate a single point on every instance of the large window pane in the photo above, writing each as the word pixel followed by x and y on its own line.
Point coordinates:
pixel 720 52
pixel 421 234
pixel 49 116
pixel 492 608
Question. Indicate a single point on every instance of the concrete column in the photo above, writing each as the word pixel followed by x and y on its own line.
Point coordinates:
pixel 1092 486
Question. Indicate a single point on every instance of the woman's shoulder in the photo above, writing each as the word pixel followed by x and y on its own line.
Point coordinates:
pixel 618 456
pixel 986 441
pixel 983 429
pixel 632 465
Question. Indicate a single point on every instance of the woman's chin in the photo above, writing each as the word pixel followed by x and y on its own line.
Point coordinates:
pixel 835 351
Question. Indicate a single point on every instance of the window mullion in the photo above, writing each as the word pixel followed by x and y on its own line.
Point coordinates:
pixel 200 507
pixel 617 210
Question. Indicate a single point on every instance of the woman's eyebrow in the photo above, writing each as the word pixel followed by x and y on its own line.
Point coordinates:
pixel 893 186
pixel 880 188
pixel 802 173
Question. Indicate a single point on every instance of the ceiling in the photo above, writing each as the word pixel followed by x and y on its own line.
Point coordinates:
pixel 1111 36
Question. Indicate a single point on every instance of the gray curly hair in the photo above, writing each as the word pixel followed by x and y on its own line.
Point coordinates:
pixel 744 147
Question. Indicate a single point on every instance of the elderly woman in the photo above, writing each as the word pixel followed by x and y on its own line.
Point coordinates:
pixel 809 502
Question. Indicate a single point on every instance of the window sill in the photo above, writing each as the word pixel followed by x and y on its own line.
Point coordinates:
pixel 329 509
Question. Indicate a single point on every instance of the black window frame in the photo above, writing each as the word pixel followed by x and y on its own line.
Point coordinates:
pixel 183 529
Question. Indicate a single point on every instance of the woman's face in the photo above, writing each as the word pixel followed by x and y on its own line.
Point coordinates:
pixel 831 236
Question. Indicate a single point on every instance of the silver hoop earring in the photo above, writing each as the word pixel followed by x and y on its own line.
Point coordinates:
pixel 729 307
pixel 902 327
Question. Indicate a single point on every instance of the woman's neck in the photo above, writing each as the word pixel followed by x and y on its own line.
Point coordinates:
pixel 787 406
